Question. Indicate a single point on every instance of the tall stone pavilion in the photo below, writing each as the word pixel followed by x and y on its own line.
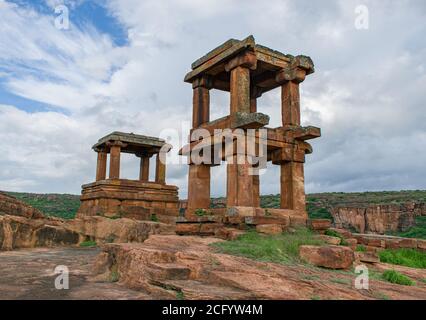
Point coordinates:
pixel 247 71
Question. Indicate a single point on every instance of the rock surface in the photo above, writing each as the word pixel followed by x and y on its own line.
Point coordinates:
pixel 12 206
pixel 165 267
pixel 333 257
pixel 19 232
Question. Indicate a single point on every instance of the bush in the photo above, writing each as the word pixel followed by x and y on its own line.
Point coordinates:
pixel 282 248
pixel 404 257
pixel 397 278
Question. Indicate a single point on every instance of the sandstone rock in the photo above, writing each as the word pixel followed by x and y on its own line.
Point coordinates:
pixel 332 257
pixel 188 228
pixel 296 221
pixel 269 228
pixel 241 211
pixel 377 218
pixel 352 243
pixel 369 257
pixel 344 233
pixel 329 239
pixel 228 233
pixel 319 224
pixel 11 206
pixel 408 243
pixel 421 244
pixel 284 222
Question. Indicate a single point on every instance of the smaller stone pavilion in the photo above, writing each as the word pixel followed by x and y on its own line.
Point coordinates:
pixel 140 199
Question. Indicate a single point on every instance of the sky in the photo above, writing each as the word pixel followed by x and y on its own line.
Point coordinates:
pixel 119 66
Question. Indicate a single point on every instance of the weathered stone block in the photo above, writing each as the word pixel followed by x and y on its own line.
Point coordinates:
pixel 333 257
pixel 369 257
pixel 188 228
pixel 269 228
pixel 328 239
pixel 319 224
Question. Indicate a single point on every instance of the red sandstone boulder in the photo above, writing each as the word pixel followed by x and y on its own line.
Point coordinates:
pixel 368 257
pixel 332 257
pixel 319 224
pixel 269 228
pixel 329 239
pixel 344 233
pixel 352 243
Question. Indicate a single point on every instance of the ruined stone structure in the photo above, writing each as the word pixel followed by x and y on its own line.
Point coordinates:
pixel 139 199
pixel 247 70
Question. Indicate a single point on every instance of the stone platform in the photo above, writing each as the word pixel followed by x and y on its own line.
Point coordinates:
pixel 226 222
pixel 140 200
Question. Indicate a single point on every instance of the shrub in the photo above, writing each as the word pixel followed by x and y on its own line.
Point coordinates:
pixel 397 278
pixel 404 257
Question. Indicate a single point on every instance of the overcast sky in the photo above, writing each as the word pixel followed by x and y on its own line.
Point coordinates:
pixel 120 66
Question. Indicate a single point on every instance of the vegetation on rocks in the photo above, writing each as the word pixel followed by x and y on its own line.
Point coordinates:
pixel 404 257
pixel 88 244
pixel 393 276
pixel 282 248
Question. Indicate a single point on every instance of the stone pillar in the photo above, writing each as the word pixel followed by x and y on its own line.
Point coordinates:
pixel 292 186
pixel 290 104
pixel 198 187
pixel 292 173
pixel 101 165
pixel 200 102
pixel 114 163
pixel 160 170
pixel 144 168
pixel 239 178
pixel 199 175
pixel 256 190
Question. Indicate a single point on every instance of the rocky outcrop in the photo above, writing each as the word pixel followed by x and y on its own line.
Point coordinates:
pixel 332 257
pixel 19 232
pixel 12 206
pixel 378 218
pixel 188 267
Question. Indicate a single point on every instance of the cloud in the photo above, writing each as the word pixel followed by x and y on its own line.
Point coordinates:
pixel 367 94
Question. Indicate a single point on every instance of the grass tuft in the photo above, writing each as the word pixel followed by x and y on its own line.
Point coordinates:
pixel 88 244
pixel 282 248
pixel 404 257
pixel 397 278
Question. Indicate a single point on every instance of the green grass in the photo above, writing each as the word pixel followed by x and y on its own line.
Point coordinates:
pixel 404 257
pixel 87 244
pixel 180 295
pixel 397 278
pixel 282 248
pixel 154 218
pixel 361 248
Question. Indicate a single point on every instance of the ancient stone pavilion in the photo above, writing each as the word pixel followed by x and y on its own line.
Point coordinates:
pixel 140 199
pixel 247 70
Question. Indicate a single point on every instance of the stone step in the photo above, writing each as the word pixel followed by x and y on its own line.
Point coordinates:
pixel 196 290
pixel 168 271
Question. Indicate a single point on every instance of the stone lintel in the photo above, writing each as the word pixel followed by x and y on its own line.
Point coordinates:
pixel 302 133
pixel 247 59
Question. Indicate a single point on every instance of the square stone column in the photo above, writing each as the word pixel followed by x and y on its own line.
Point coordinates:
pixel 199 175
pixel 198 187
pixel 293 186
pixel 239 178
pixel 160 170
pixel 114 164
pixel 144 168
pixel 292 173
pixel 101 165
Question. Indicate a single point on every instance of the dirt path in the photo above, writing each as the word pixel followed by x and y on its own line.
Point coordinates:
pixel 29 274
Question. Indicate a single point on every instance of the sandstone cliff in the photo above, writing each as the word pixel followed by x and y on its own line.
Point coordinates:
pixel 379 218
